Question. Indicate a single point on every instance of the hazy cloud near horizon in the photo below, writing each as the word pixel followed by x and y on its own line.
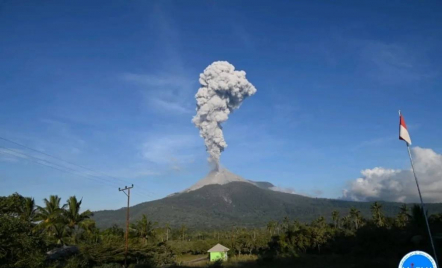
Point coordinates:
pixel 399 185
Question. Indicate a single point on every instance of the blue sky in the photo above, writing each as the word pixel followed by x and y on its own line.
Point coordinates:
pixel 110 85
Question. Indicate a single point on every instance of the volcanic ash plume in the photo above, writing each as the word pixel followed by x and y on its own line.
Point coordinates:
pixel 222 90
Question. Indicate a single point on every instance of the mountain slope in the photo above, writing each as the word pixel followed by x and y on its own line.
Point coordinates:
pixel 221 177
pixel 239 204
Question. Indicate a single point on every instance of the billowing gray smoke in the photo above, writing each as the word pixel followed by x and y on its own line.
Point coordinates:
pixel 222 90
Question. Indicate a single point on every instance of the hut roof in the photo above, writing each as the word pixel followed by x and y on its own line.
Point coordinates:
pixel 218 248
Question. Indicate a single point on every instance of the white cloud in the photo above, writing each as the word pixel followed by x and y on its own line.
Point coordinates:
pixel 165 92
pixel 171 150
pixel 374 142
pixel 394 63
pixel 156 80
pixel 134 172
pixel 11 155
pixel 399 185
pixel 171 106
pixel 283 190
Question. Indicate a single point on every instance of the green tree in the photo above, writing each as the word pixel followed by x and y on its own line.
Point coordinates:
pixel 271 227
pixel 285 223
pixel 183 230
pixel 403 217
pixel 145 228
pixel 167 229
pixel 418 218
pixel 19 245
pixel 335 218
pixel 377 214
pixel 356 218
pixel 71 213
pixel 90 231
pixel 51 220
pixel 28 211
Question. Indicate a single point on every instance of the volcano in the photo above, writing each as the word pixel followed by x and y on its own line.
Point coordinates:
pixel 223 176
pixel 223 199
pixel 218 176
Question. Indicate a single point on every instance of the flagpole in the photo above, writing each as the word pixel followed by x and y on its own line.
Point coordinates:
pixel 422 205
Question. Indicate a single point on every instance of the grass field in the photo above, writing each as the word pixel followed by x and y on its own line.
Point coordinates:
pixel 329 261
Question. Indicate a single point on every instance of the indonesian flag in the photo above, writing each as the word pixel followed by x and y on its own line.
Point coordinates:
pixel 403 131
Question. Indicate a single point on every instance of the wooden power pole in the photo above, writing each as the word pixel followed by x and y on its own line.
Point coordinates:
pixel 127 220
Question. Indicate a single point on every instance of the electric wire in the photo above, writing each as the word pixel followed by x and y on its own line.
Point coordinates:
pixel 58 167
pixel 73 164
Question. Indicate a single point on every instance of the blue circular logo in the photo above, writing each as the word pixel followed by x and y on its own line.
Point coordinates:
pixel 417 259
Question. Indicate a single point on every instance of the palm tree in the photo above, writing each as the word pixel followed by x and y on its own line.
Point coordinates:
pixel 403 216
pixel 285 223
pixel 28 211
pixel 72 213
pixel 183 231
pixel 50 217
pixel 271 227
pixel 356 218
pixel 335 217
pixel 321 222
pixel 145 228
pixel 418 216
pixel 378 216
pixel 87 225
pixel 168 229
pixel 346 222
pixel 89 229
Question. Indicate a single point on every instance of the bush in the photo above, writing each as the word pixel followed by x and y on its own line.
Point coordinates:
pixel 76 262
pixel 109 265
pixel 19 247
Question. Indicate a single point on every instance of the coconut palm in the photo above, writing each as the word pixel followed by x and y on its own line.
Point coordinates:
pixel 335 218
pixel 378 216
pixel 320 222
pixel 28 211
pixel 167 229
pixel 403 217
pixel 271 227
pixel 51 219
pixel 89 230
pixel 72 213
pixel 285 223
pixel 418 217
pixel 145 228
pixel 183 230
pixel 355 216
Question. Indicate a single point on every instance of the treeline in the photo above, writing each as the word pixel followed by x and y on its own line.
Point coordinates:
pixel 28 232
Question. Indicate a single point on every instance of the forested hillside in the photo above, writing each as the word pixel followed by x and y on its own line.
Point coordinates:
pixel 237 204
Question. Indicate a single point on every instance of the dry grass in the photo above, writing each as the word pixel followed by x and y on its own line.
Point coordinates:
pixel 190 257
pixel 331 261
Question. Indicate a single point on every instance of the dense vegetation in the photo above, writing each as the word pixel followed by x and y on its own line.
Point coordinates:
pixel 27 232
pixel 238 203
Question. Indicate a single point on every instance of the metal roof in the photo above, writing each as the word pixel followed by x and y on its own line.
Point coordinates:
pixel 218 248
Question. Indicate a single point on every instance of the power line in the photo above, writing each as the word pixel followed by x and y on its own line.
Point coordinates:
pixel 127 220
pixel 58 167
pixel 42 162
pixel 70 163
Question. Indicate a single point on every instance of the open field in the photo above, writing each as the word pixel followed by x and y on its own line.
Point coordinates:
pixel 332 261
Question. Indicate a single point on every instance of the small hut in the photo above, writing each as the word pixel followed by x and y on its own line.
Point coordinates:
pixel 218 252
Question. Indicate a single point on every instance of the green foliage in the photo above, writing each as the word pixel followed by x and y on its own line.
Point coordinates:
pixel 253 207
pixel 377 214
pixel 19 245
pixel 109 265
pixel 145 229
pixel 27 232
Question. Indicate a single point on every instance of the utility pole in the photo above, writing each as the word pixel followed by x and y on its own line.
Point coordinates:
pixel 127 219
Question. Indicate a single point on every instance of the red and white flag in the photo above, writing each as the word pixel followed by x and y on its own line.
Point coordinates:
pixel 403 131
